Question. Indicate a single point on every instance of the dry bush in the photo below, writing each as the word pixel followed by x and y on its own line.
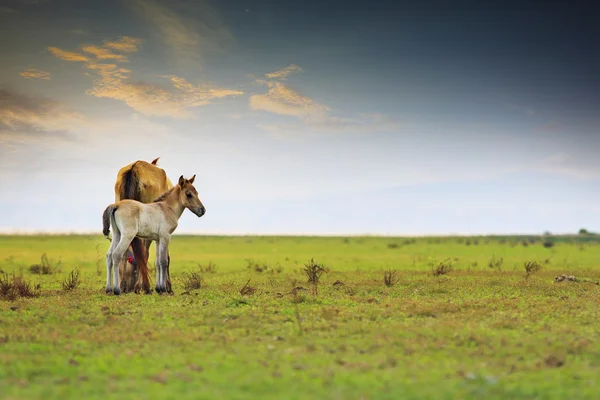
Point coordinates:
pixel 45 267
pixel 192 280
pixel 210 268
pixel 442 268
pixel 247 290
pixel 496 263
pixel 13 287
pixel 390 278
pixel 313 271
pixel 531 267
pixel 71 281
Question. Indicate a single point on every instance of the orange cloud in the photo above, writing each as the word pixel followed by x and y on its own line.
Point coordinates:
pixel 35 73
pixel 104 54
pixel 67 55
pixel 125 44
pixel 281 99
pixel 284 72
pixel 150 99
pixel 114 82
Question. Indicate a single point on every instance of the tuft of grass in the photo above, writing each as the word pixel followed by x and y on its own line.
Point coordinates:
pixel 210 268
pixel 13 287
pixel 390 278
pixel 247 290
pixel 256 266
pixel 72 281
pixel 393 245
pixel 443 268
pixel 495 263
pixel 192 280
pixel 531 267
pixel 548 243
pixel 44 267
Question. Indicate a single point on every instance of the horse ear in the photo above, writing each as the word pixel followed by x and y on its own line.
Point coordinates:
pixel 155 161
pixel 192 178
pixel 181 181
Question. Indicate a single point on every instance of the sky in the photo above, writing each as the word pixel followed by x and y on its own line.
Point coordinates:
pixel 305 117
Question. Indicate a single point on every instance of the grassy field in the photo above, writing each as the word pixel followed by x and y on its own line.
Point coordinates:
pixel 470 328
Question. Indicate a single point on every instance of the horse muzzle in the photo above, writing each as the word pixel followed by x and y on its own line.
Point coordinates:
pixel 200 211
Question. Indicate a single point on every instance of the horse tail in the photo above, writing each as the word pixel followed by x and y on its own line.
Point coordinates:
pixel 129 188
pixel 107 216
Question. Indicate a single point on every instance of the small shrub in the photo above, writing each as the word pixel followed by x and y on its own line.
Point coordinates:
pixel 71 281
pixel 313 273
pixel 531 267
pixel 192 280
pixel 247 290
pixel 14 287
pixel 45 267
pixel 496 263
pixel 258 267
pixel 210 268
pixel 390 278
pixel 548 243
pixel 443 268
pixel 393 245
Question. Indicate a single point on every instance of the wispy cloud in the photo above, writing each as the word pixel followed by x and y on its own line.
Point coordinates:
pixel 35 73
pixel 189 37
pixel 314 117
pixel 283 100
pixel 567 165
pixel 126 44
pixel 284 72
pixel 68 55
pixel 114 82
pixel 151 99
pixel 22 117
pixel 102 53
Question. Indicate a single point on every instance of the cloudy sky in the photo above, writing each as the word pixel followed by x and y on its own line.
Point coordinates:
pixel 305 117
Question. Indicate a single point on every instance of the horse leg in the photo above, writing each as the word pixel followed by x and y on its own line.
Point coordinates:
pixel 169 288
pixel 162 253
pixel 109 259
pixel 157 263
pixel 118 255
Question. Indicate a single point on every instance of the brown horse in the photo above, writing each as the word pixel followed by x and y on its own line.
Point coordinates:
pixel 143 182
pixel 155 221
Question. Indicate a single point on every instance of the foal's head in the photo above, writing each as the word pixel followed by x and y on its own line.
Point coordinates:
pixel 188 196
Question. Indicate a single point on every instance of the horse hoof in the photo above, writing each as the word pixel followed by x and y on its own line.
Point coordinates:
pixel 117 291
pixel 108 291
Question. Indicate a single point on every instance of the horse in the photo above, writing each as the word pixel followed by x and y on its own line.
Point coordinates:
pixel 144 182
pixel 151 221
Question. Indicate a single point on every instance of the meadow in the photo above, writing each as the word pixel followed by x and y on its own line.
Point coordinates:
pixel 387 318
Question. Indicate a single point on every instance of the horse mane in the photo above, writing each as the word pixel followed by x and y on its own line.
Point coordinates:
pixel 164 195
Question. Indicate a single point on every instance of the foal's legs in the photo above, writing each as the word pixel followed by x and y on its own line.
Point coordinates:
pixel 162 254
pixel 118 255
pixel 109 259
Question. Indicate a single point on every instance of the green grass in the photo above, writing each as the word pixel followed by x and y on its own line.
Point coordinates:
pixel 471 333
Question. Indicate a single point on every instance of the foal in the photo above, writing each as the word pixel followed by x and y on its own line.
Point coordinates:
pixel 152 221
